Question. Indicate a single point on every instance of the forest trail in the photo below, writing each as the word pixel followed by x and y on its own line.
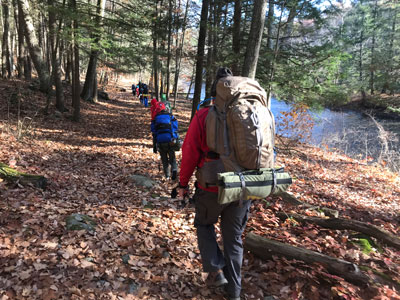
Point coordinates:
pixel 143 247
pixel 138 251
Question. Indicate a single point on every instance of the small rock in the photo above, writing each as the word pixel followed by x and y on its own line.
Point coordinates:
pixel 142 180
pixel 80 222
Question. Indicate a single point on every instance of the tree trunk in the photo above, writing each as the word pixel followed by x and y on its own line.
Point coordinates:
pixel 20 65
pixel 54 58
pixel 169 46
pixel 5 53
pixel 274 58
pixel 179 49
pixel 236 37
pixel 210 48
pixel 13 176
pixel 269 25
pixel 34 48
pixel 68 66
pixel 200 56
pixel 254 40
pixel 76 86
pixel 360 50
pixel 155 53
pixel 372 63
pixel 388 80
pixel 265 248
pixel 191 82
pixel 89 91
pixel 347 224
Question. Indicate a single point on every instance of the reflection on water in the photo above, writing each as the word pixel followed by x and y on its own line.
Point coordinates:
pixel 353 133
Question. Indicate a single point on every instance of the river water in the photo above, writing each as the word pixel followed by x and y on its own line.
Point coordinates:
pixel 352 133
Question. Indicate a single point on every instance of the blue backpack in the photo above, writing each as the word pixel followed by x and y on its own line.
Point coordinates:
pixel 165 127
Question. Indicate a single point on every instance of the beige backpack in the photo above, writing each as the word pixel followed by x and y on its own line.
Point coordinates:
pixel 240 126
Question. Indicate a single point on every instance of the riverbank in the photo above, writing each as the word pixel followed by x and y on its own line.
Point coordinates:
pixel 381 106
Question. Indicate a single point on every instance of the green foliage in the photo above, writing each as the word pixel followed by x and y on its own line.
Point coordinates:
pixel 369 34
pixel 393 109
pixel 335 97
pixel 366 244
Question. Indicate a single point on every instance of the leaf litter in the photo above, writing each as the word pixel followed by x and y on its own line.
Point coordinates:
pixel 139 251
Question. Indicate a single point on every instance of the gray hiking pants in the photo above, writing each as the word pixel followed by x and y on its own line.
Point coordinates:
pixel 167 158
pixel 233 222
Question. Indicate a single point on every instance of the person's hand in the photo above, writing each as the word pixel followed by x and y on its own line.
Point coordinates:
pixel 183 191
pixel 180 191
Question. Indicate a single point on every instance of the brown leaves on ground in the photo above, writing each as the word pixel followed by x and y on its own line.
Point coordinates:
pixel 144 247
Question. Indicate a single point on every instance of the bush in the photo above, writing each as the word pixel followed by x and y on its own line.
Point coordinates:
pixel 296 124
pixel 335 97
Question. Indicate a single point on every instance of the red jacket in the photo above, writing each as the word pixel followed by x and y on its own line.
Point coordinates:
pixel 194 149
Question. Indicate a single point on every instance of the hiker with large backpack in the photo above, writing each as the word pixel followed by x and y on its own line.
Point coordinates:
pixel 164 127
pixel 233 134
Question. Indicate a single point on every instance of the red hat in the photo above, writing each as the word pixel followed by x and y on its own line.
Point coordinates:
pixel 156 109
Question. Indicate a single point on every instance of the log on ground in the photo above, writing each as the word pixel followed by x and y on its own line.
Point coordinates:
pixel 292 200
pixel 13 176
pixel 347 224
pixel 265 248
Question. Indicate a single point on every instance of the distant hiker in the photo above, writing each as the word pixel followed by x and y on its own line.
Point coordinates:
pixel 145 95
pixel 166 102
pixel 141 92
pixel 153 104
pixel 133 90
pixel 156 107
pixel 223 268
pixel 165 138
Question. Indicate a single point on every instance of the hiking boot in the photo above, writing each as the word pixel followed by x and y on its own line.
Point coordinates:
pixel 174 174
pixel 216 279
pixel 228 296
pixel 167 174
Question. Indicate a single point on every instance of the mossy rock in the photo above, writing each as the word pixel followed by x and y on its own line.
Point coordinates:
pixel 80 222
pixel 141 180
